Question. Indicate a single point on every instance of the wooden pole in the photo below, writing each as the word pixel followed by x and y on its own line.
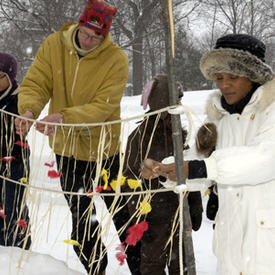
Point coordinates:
pixel 189 260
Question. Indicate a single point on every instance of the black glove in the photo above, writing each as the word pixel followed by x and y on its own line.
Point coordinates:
pixel 195 209
pixel 212 205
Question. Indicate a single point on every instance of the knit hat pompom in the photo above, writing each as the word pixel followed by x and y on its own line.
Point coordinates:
pixel 98 16
pixel 8 65
pixel 238 54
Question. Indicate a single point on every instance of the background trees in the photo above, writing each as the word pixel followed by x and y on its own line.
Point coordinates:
pixel 138 29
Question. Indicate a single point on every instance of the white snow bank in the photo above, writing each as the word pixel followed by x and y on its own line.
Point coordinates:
pixel 14 260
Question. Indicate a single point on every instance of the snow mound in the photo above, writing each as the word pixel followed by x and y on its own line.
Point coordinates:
pixel 16 261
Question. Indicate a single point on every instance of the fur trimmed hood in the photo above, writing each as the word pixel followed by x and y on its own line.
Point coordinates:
pixel 234 61
pixel 214 111
pixel 207 134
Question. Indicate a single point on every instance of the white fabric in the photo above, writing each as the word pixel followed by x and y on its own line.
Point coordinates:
pixel 243 165
pixel 191 186
pixel 169 183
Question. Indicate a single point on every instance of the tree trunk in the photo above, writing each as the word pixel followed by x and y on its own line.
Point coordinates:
pixel 189 259
pixel 137 66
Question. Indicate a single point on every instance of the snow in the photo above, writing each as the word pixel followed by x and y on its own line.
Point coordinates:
pixel 51 221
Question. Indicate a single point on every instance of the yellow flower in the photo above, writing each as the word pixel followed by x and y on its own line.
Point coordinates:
pixel 207 192
pixel 23 180
pixel 76 243
pixel 122 180
pixel 114 183
pixel 133 184
pixel 104 175
pixel 145 207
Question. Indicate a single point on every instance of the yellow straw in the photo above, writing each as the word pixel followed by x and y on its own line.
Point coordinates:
pixel 170 8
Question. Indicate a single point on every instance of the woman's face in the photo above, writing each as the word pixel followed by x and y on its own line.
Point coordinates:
pixel 233 87
pixel 4 82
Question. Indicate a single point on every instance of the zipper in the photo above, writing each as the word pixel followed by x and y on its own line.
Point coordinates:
pixel 75 75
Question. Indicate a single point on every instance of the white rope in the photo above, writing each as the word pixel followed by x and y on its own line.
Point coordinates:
pixel 174 110
pixel 97 124
pixel 89 194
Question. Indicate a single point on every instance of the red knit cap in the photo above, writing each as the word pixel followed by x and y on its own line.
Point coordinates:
pixel 98 16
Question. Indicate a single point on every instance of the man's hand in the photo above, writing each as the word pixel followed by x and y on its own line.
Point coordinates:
pixel 48 129
pixel 151 169
pixel 22 125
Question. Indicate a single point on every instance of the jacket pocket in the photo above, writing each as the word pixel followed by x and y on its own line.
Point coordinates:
pixel 265 241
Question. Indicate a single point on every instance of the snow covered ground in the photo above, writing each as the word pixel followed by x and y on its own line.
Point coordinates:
pixel 51 222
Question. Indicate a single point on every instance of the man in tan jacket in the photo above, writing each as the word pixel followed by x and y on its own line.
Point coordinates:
pixel 83 73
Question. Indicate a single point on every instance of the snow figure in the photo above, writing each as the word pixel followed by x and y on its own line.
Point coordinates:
pixel 83 73
pixel 153 139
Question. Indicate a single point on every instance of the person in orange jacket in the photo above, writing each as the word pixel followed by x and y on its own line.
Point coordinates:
pixel 83 74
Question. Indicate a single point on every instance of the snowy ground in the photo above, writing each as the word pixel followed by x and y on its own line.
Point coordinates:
pixel 51 223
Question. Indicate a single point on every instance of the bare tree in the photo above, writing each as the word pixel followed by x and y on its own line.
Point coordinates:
pixel 137 29
pixel 140 22
pixel 133 20
pixel 254 17
pixel 188 259
pixel 25 24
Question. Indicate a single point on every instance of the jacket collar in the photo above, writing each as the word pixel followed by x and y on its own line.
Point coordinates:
pixel 11 90
pixel 262 98
pixel 238 107
pixel 67 34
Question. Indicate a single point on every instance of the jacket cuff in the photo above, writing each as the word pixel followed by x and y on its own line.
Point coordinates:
pixel 197 169
pixel 211 168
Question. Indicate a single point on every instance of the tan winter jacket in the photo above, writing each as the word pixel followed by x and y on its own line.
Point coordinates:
pixel 86 90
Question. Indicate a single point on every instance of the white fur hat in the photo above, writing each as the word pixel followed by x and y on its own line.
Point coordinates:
pixel 237 54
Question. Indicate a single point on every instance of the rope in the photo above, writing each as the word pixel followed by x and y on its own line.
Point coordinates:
pixel 95 124
pixel 37 225
pixel 185 109
pixel 87 194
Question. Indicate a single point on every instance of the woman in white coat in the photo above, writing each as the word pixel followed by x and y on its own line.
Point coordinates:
pixel 242 164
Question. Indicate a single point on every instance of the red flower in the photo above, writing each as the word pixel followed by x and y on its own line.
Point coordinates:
pixel 120 255
pixel 2 215
pixel 90 192
pixel 135 233
pixel 22 223
pixel 53 174
pixel 7 159
pixel 99 188
pixel 49 164
pixel 22 144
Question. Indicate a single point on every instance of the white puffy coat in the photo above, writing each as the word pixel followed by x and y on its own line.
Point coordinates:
pixel 243 166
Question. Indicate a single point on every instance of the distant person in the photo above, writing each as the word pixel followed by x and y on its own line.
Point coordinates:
pixel 14 164
pixel 242 164
pixel 83 73
pixel 154 136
